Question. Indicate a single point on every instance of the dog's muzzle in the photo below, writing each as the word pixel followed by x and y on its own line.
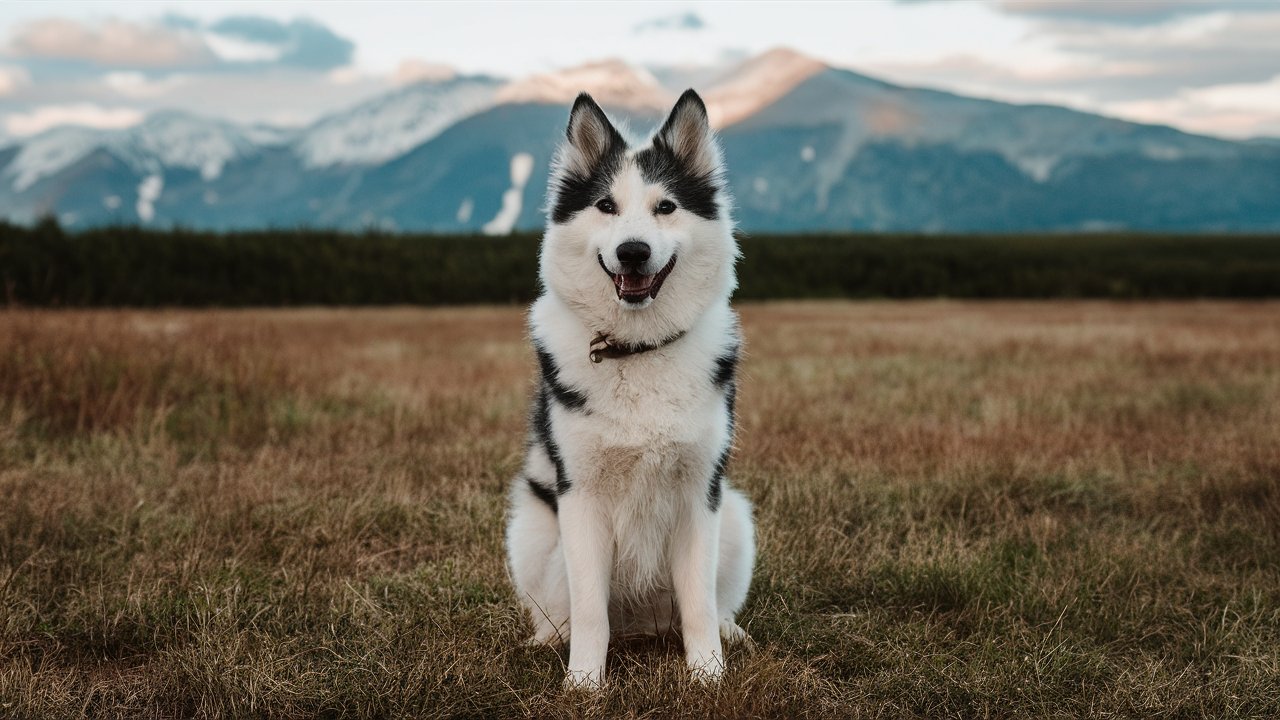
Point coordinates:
pixel 636 287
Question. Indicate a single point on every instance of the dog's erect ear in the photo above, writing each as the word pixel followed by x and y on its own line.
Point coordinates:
pixel 687 133
pixel 591 136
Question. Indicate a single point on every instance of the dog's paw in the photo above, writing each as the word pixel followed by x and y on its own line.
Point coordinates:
pixel 732 634
pixel 706 669
pixel 582 680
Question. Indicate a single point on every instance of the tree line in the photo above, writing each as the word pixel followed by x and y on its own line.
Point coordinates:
pixel 46 265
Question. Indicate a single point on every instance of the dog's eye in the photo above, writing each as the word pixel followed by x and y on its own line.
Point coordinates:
pixel 607 206
pixel 666 207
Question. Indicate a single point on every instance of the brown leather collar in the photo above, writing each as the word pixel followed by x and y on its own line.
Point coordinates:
pixel 605 347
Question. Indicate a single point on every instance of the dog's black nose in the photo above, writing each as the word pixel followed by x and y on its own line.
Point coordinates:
pixel 633 252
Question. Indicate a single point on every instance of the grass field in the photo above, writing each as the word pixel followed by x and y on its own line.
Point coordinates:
pixel 964 510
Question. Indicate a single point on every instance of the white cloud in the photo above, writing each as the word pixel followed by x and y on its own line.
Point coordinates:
pixel 12 78
pixel 83 114
pixel 136 85
pixel 235 49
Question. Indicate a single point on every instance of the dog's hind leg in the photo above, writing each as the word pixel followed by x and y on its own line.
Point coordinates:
pixel 536 563
pixel 737 557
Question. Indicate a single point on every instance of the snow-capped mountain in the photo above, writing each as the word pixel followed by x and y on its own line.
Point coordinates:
pixel 842 150
pixel 48 153
pixel 164 140
pixel 809 147
pixel 387 127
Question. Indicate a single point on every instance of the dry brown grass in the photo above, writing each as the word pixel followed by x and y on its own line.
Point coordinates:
pixel 1007 510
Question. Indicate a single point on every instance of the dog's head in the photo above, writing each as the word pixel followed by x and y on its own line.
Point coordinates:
pixel 639 241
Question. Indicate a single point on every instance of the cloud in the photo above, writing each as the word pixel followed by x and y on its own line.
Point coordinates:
pixel 12 78
pixel 1194 52
pixel 1109 12
pixel 302 43
pixel 1216 73
pixel 1111 63
pixel 83 114
pixel 137 85
pixel 686 21
pixel 1146 12
pixel 1238 110
pixel 243 42
pixel 253 28
pixel 110 43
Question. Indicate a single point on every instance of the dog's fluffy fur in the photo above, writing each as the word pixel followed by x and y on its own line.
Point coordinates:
pixel 621 519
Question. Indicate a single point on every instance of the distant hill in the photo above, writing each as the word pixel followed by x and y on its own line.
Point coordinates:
pixel 809 148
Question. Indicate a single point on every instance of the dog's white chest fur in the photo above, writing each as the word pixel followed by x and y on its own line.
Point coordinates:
pixel 646 440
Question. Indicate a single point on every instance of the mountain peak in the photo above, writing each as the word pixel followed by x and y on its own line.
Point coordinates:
pixel 757 83
pixel 783 56
pixel 610 82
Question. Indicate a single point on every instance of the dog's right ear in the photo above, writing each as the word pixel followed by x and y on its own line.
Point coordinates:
pixel 591 136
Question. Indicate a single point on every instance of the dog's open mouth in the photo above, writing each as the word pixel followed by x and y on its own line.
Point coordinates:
pixel 634 287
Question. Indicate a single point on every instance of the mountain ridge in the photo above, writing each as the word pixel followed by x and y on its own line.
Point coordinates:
pixel 809 147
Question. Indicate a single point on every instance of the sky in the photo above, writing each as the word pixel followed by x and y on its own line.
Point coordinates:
pixel 1206 66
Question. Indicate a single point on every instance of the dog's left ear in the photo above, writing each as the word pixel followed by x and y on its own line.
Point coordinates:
pixel 687 134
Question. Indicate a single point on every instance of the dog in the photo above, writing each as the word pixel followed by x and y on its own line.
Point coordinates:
pixel 621 520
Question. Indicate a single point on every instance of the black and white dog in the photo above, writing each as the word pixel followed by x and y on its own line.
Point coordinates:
pixel 621 520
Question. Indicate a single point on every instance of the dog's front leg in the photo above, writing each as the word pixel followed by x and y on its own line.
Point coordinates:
pixel 694 560
pixel 588 555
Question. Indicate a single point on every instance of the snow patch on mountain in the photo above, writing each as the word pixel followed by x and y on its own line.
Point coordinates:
pixel 390 126
pixel 148 192
pixel 610 82
pixel 512 199
pixel 1037 167
pixel 270 135
pixel 178 140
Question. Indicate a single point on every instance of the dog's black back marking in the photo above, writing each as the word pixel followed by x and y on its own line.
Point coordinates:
pixel 571 398
pixel 543 493
pixel 715 490
pixel 724 377
pixel 726 368
pixel 541 423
